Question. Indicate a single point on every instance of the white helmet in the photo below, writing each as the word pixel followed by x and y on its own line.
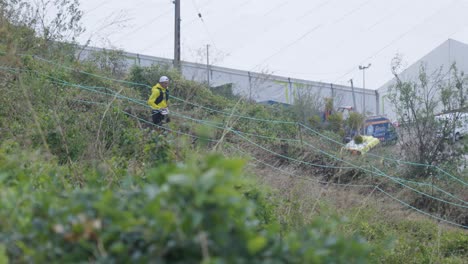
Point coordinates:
pixel 163 79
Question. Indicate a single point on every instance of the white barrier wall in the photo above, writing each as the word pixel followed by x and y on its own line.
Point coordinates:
pixel 261 87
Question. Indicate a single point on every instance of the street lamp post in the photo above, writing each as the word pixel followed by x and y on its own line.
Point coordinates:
pixel 363 68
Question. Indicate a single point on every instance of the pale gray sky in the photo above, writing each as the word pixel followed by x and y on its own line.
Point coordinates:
pixel 319 40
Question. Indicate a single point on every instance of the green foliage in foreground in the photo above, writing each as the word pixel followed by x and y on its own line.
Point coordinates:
pixel 201 211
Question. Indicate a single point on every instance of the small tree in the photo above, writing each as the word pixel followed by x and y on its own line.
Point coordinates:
pixel 335 123
pixel 111 61
pixel 43 27
pixel 355 121
pixel 416 103
pixel 307 106
pixel 328 106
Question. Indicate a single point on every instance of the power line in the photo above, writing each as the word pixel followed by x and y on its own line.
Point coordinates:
pixel 203 22
pixel 352 11
pixel 315 8
pixel 310 31
pixel 343 40
pixel 287 46
pixel 233 10
pixel 271 25
pixel 159 40
pixel 156 18
pixel 394 41
pixel 281 4
pixel 86 12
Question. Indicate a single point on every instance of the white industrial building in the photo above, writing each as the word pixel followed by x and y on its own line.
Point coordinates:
pixel 442 57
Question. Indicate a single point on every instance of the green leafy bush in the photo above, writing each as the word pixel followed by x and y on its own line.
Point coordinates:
pixel 335 122
pixel 358 139
pixel 355 121
pixel 315 121
pixel 185 213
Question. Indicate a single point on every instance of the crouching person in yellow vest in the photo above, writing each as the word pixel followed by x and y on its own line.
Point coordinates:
pixel 158 101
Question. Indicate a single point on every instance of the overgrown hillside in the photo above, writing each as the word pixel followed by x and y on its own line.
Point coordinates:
pixel 85 177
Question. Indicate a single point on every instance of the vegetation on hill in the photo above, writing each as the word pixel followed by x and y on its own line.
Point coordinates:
pixel 84 175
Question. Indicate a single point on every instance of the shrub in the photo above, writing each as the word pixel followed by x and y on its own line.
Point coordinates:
pixel 185 213
pixel 315 121
pixel 358 139
pixel 355 121
pixel 335 122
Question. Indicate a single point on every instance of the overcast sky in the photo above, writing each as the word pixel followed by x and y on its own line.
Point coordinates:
pixel 319 40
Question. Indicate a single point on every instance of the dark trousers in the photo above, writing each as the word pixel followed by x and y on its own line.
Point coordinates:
pixel 158 118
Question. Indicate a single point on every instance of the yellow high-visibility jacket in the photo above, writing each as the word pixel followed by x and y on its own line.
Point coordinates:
pixel 158 98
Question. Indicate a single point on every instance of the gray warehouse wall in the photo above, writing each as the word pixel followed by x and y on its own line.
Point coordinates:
pixel 261 87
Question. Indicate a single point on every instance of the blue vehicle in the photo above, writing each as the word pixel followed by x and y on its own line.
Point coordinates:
pixel 376 126
pixel 382 128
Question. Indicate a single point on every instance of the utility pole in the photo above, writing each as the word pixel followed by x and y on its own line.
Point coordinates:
pixel 177 35
pixel 363 68
pixel 352 91
pixel 208 64
pixel 377 100
pixel 250 86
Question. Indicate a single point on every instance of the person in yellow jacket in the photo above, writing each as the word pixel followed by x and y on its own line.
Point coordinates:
pixel 158 101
